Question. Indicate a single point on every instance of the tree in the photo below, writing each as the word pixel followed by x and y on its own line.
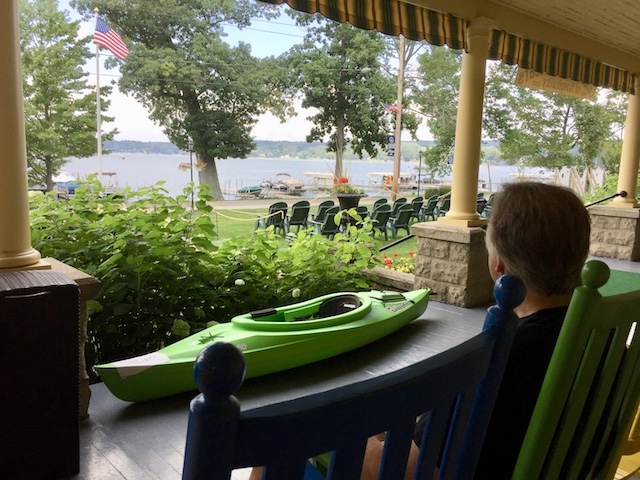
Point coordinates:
pixel 538 128
pixel 337 70
pixel 193 83
pixel 60 109
pixel 436 97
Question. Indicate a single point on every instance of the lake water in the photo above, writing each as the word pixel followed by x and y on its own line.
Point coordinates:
pixel 138 170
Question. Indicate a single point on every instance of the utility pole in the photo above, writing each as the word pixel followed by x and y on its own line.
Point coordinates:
pixel 396 156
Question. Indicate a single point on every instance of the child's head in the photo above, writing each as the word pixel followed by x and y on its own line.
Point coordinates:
pixel 540 233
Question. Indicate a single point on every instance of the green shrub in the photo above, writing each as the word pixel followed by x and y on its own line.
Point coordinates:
pixel 163 277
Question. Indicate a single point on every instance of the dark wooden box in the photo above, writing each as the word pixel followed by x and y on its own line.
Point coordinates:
pixel 39 375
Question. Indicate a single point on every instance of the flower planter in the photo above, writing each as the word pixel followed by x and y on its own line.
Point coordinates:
pixel 347 201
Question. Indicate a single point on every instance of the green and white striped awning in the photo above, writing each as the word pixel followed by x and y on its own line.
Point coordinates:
pixel 395 17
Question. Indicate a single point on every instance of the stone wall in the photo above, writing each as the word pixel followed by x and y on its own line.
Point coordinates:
pixel 452 261
pixel 615 232
pixel 388 279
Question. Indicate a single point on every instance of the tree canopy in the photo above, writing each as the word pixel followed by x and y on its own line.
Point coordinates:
pixel 193 83
pixel 60 107
pixel 337 70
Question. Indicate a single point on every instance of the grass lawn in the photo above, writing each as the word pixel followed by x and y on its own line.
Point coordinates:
pixel 234 223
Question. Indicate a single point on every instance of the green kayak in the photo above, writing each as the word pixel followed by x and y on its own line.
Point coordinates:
pixel 272 340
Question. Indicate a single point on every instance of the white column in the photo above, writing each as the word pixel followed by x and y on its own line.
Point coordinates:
pixel 466 153
pixel 628 172
pixel 15 236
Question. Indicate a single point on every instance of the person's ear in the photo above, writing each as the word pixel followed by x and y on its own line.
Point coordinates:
pixel 499 266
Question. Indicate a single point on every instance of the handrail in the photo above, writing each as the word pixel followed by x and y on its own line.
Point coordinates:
pixel 619 194
pixel 397 242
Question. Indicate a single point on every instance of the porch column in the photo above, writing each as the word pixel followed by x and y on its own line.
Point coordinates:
pixel 466 154
pixel 628 173
pixel 15 236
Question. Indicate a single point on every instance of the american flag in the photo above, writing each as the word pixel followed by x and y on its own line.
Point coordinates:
pixel 393 108
pixel 106 37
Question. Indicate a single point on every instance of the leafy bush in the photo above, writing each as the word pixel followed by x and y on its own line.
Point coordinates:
pixel 164 278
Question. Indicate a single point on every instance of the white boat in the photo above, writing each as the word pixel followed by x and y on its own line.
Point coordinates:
pixel 282 185
pixel 319 180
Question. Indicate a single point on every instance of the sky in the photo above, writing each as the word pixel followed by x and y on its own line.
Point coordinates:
pixel 265 37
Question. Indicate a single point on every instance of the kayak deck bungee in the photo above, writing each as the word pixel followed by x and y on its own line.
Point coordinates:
pixel 271 340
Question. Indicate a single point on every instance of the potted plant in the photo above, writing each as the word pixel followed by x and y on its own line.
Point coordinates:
pixel 348 195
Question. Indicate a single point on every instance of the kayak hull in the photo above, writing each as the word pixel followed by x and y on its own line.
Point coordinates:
pixel 272 340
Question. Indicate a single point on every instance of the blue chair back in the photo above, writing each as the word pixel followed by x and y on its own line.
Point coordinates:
pixel 221 436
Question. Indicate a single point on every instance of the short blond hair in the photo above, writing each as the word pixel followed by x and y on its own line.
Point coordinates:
pixel 541 234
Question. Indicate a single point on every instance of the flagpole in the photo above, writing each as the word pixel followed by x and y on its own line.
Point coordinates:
pixel 98 114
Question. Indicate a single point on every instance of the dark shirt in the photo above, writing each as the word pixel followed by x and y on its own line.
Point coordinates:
pixel 530 354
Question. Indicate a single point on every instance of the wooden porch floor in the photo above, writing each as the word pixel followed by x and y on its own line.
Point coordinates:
pixel 146 440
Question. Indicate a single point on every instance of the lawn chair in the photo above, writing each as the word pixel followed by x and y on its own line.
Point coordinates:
pixel 417 203
pixel 281 437
pixel 379 202
pixel 480 203
pixel 400 220
pixel 276 217
pixel 443 207
pixel 486 211
pixel 590 393
pixel 322 210
pixel 397 204
pixel 429 208
pixel 362 211
pixel 299 215
pixel 379 218
pixel 328 227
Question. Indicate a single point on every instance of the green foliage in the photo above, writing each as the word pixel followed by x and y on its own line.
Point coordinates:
pixel 337 70
pixel 436 98
pixel 609 187
pixel 538 128
pixel 193 83
pixel 60 107
pixel 164 278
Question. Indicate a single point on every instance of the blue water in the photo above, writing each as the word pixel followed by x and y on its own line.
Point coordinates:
pixel 138 170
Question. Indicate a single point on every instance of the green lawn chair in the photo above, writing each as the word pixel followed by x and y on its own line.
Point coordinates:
pixel 379 202
pixel 444 206
pixel 380 217
pixel 328 227
pixel 397 204
pixel 276 217
pixel 322 210
pixel 417 203
pixel 299 215
pixel 400 220
pixel 591 389
pixel 429 208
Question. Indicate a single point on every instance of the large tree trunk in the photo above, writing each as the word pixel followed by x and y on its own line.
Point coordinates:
pixel 209 176
pixel 48 161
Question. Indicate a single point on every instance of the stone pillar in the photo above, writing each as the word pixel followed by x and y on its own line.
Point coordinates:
pixel 466 156
pixel 628 173
pixel 90 288
pixel 615 232
pixel 15 235
pixel 452 261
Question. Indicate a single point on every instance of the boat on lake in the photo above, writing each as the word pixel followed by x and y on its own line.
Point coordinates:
pixel 282 185
pixel 271 340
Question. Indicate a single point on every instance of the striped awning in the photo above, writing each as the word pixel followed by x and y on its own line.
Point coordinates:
pixel 395 17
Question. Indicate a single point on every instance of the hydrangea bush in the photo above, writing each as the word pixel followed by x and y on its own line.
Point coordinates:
pixel 164 278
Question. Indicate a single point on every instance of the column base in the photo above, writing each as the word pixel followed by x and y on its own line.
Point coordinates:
pixel 39 265
pixel 452 261
pixel 615 232
pixel 463 223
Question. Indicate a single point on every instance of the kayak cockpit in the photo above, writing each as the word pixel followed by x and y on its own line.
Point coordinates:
pixel 326 311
